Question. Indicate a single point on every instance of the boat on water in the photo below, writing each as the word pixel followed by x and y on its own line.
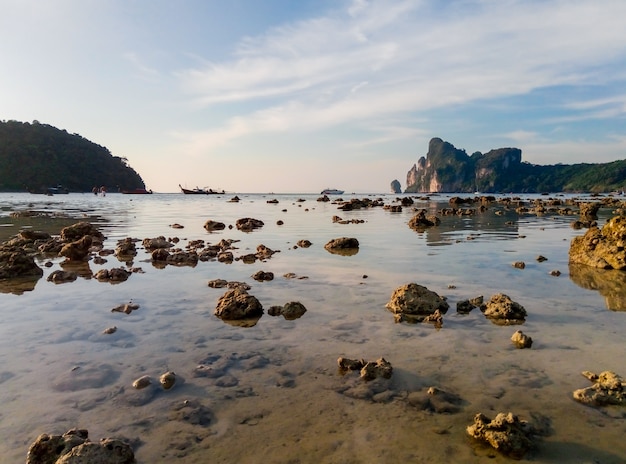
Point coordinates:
pixel 137 191
pixel 58 190
pixel 330 191
pixel 199 191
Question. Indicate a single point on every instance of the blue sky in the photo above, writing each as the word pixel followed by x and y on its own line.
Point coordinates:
pixel 296 96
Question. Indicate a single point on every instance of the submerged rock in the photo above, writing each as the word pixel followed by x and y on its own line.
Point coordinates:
pixel 369 370
pixel 436 400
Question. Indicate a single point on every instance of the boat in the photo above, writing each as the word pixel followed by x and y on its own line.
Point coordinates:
pixel 330 191
pixel 58 190
pixel 199 191
pixel 137 191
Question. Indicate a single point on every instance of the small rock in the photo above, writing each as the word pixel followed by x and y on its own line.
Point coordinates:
pixel 521 340
pixel 167 380
pixel 142 382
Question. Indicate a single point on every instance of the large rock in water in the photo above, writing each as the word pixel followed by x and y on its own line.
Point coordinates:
pixel 602 248
pixel 500 309
pixel 415 302
pixel 237 304
pixel 18 264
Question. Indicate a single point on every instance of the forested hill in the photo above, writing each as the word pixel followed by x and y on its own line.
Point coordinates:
pixel 37 156
pixel 449 169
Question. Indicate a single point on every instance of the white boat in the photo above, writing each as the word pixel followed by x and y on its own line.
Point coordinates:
pixel 330 191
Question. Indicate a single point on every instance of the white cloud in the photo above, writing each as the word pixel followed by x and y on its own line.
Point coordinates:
pixel 414 58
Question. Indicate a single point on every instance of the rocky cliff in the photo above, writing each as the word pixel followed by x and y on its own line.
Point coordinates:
pixel 449 169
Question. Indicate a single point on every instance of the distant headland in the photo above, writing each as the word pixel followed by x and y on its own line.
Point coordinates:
pixel 449 169
pixel 35 157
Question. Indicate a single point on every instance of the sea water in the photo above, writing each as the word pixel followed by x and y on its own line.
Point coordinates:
pixel 279 396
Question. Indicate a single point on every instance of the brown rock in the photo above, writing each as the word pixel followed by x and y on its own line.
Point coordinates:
pixel 237 304
pixel 506 433
pixel 521 340
pixel 501 309
pixel 604 249
pixel 415 302
pixel 608 388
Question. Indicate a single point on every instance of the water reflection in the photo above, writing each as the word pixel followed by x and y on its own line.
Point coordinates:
pixel 610 283
pixel 18 286
pixel 481 226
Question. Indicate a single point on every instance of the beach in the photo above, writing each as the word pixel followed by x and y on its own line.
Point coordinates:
pixel 272 391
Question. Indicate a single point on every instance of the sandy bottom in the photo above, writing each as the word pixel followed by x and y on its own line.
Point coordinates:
pixel 273 393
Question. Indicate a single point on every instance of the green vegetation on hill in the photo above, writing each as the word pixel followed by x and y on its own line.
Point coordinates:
pixel 502 170
pixel 37 156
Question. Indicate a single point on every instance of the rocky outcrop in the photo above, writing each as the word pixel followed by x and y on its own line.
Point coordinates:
pixel 444 169
pixel 601 248
pixel 448 169
pixel 395 186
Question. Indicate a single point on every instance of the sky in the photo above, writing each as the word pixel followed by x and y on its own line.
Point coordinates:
pixel 300 95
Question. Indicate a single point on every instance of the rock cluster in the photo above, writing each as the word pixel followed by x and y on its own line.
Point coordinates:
pixel 290 311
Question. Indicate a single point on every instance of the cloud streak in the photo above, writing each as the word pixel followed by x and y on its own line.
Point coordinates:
pixel 311 74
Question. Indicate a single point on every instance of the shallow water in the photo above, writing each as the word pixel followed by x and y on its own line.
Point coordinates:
pixel 276 395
